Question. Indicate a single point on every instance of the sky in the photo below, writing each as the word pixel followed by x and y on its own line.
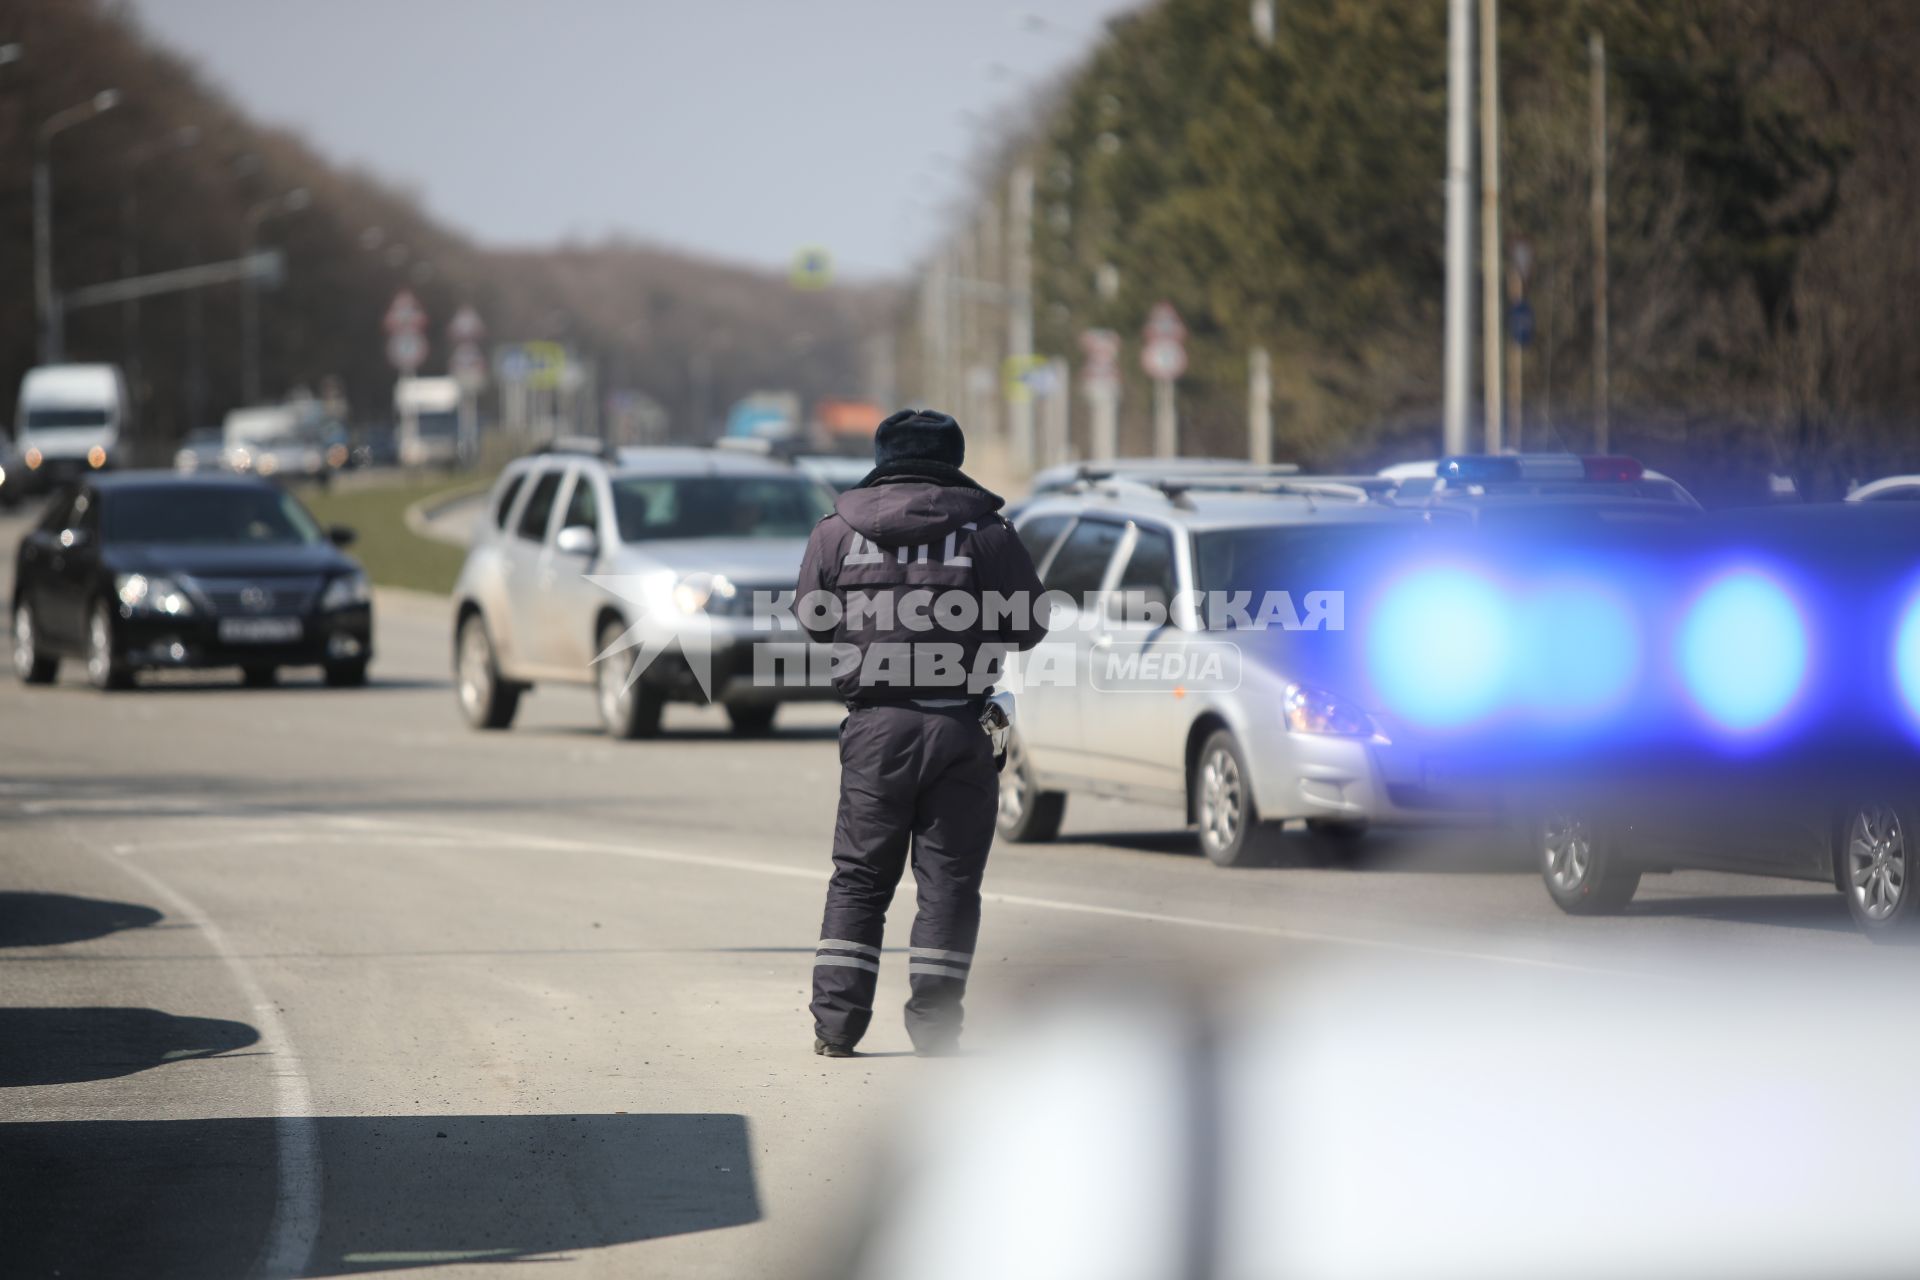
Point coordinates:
pixel 740 129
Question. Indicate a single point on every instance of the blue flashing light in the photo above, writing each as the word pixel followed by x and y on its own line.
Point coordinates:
pixel 1438 646
pixel 1582 651
pixel 1743 651
pixel 1478 468
pixel 1906 657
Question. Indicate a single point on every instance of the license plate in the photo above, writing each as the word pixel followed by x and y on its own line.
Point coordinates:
pixel 259 630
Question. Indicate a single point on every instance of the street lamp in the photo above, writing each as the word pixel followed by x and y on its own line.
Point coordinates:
pixel 287 202
pixel 135 160
pixel 46 310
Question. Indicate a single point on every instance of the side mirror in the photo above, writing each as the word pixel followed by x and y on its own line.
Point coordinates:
pixel 340 535
pixel 577 540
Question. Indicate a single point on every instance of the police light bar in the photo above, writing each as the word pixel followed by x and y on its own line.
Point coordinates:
pixel 1488 468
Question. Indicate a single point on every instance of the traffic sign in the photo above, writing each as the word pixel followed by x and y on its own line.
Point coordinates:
pixel 812 270
pixel 1163 354
pixel 1100 371
pixel 1024 377
pixel 405 314
pixel 406 350
pixel 1164 322
pixel 466 326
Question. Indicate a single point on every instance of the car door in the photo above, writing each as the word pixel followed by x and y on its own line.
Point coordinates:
pixel 567 622
pixel 1053 689
pixel 522 558
pixel 1133 726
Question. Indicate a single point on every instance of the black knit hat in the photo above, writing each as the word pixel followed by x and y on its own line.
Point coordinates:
pixel 919 435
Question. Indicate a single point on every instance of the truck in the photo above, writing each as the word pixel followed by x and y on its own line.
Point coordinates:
pixel 427 421
pixel 70 420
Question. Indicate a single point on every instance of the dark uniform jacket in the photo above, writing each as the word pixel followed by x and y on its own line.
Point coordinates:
pixel 894 557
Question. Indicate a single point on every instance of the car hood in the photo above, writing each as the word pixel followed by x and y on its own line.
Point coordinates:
pixel 743 560
pixel 227 561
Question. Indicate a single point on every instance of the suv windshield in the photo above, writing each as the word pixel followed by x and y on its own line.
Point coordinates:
pixel 651 508
pixel 61 419
pixel 206 515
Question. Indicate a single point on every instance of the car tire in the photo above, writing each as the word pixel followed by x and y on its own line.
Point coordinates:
pixel 1332 843
pixel 486 699
pixel 259 677
pixel 1873 865
pixel 752 720
pixel 629 708
pixel 1027 815
pixel 1231 833
pixel 1581 867
pixel 31 662
pixel 107 668
pixel 346 675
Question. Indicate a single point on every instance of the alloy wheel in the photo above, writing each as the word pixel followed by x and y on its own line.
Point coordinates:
pixel 1567 847
pixel 616 691
pixel 1220 798
pixel 476 669
pixel 1876 860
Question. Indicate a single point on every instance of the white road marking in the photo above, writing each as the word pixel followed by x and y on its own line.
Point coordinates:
pixel 296 1208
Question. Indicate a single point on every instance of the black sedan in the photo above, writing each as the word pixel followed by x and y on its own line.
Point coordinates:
pixel 144 570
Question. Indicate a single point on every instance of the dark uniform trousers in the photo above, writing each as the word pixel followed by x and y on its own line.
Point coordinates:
pixel 919 777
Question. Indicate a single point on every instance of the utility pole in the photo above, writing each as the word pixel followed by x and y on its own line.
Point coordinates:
pixel 1259 407
pixel 1020 311
pixel 45 304
pixel 1459 337
pixel 1597 68
pixel 1492 340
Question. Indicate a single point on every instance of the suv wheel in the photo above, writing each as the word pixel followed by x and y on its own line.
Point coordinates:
pixel 1580 864
pixel 106 668
pixel 486 700
pixel 1027 815
pixel 1873 870
pixel 629 708
pixel 1231 833
pixel 31 663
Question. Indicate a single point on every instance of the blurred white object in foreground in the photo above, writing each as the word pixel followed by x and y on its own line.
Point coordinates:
pixel 1468 1123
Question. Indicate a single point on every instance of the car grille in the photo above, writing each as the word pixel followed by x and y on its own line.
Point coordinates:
pixel 278 596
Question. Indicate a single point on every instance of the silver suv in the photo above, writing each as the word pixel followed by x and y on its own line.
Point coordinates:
pixel 620 554
pixel 1122 699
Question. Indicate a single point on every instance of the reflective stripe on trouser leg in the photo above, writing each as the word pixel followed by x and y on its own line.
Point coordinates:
pixel 952 833
pixel 870 838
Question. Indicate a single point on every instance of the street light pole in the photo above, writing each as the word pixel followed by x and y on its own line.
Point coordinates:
pixel 45 305
pixel 136 159
pixel 1459 337
pixel 287 202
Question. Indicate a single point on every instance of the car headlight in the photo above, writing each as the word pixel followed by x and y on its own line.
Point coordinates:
pixel 152 595
pixel 3 475
pixel 34 459
pixel 345 591
pixel 694 591
pixel 96 457
pixel 1310 710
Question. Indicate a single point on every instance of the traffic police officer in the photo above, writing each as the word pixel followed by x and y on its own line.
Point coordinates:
pixel 928 587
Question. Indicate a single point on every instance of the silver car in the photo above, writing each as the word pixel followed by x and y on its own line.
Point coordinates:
pixel 1120 702
pixel 587 566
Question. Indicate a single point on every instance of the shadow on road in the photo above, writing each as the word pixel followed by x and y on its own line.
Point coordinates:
pixel 193 1198
pixel 64 1046
pixel 53 919
pixel 1823 911
pixel 218 681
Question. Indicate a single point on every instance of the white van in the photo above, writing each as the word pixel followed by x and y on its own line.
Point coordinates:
pixel 427 414
pixel 69 422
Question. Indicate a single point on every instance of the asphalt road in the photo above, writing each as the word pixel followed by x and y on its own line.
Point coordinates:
pixel 302 981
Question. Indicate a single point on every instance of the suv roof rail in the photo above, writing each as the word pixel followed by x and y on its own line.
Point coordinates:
pixel 1356 488
pixel 1187 468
